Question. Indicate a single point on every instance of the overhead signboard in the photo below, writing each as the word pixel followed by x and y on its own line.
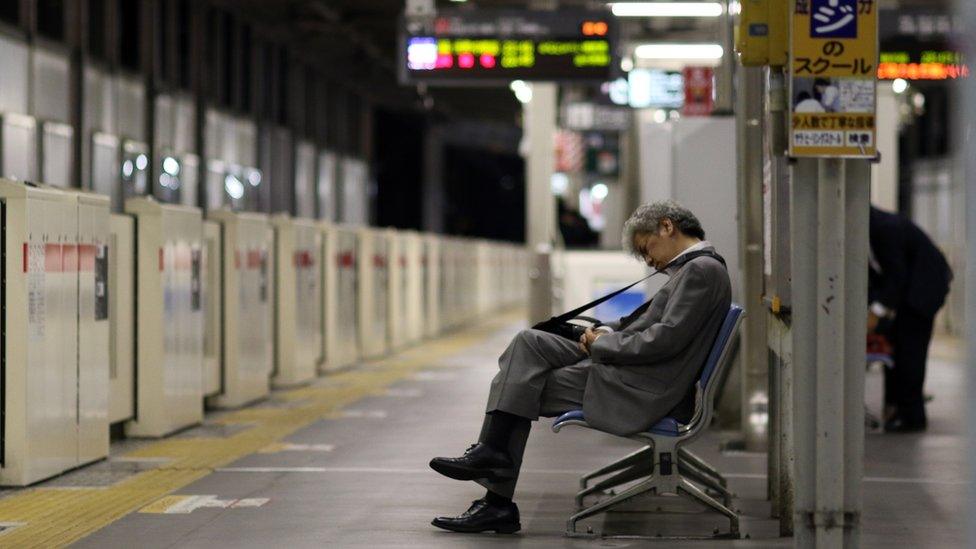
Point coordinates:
pixel 927 64
pixel 465 47
pixel 833 65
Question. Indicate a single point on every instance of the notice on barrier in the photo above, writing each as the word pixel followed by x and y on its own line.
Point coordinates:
pixel 35 267
pixel 101 282
pixel 833 68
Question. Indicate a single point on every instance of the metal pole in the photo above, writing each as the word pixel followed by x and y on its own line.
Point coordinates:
pixel 830 352
pixel 778 291
pixel 540 126
pixel 967 154
pixel 803 265
pixel 725 73
pixel 857 201
pixel 829 208
pixel 755 370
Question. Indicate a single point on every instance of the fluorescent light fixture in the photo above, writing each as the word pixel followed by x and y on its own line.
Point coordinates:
pixel 523 91
pixel 679 51
pixel 666 9
pixel 599 192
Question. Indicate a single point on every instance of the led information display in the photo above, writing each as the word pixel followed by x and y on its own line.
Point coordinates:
pixel 500 46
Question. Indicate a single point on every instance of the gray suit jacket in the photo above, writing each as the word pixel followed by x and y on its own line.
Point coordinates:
pixel 642 372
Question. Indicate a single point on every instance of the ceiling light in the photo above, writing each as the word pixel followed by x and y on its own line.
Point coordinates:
pixel 679 51
pixel 666 9
pixel 523 91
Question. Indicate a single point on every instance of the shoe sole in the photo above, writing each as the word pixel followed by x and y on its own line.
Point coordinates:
pixel 464 473
pixel 506 529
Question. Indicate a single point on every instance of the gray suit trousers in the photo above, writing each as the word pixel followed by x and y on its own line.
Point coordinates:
pixel 539 374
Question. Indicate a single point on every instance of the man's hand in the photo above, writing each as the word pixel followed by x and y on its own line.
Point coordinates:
pixel 587 339
pixel 872 322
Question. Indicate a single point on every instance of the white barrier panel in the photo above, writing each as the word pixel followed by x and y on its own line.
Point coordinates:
pixel 40 390
pixel 341 299
pixel 55 153
pixel 397 293
pixel 413 284
pixel 298 300
pixel 431 266
pixel 18 147
pixel 212 306
pixel 248 312
pixel 92 290
pixel 483 294
pixel 169 316
pixel 374 276
pixel 582 276
pixel 121 261
pixel 55 391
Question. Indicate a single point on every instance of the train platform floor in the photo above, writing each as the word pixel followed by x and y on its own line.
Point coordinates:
pixel 343 463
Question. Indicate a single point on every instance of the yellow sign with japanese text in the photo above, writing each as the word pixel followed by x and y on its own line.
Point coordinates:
pixel 833 69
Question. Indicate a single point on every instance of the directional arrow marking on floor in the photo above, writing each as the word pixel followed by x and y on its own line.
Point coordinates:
pixel 374 414
pixel 288 447
pixel 183 505
pixel 403 392
pixel 435 376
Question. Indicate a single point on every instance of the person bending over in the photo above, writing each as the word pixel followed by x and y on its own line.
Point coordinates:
pixel 625 375
pixel 908 280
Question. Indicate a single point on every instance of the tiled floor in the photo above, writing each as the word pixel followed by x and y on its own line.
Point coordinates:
pixel 359 478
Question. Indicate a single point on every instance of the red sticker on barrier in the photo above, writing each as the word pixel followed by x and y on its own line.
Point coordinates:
pixel 184 259
pixel 69 258
pixel 52 258
pixel 86 258
pixel 379 261
pixel 26 255
pixel 346 259
pixel 303 259
pixel 253 259
pixel 162 260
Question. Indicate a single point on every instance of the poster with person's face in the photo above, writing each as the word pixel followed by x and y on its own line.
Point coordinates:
pixel 833 62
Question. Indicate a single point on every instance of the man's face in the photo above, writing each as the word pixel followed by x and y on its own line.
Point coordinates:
pixel 657 248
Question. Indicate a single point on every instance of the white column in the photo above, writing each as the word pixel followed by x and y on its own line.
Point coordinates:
pixel 539 116
pixel 967 154
pixel 803 262
pixel 884 176
pixel 830 241
pixel 754 354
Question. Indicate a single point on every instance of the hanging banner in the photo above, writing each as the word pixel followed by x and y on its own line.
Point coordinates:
pixel 699 91
pixel 833 84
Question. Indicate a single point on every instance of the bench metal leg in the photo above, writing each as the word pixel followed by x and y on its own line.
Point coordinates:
pixel 708 482
pixel 644 454
pixel 702 465
pixel 634 473
pixel 648 485
pixel 696 494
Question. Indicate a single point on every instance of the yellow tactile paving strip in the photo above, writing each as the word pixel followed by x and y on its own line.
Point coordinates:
pixel 54 517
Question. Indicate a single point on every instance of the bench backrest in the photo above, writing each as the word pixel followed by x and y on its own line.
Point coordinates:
pixel 719 358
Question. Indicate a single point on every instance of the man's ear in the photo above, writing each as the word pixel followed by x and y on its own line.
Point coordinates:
pixel 667 226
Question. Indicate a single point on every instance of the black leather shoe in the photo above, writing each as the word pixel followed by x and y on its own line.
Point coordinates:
pixel 903 424
pixel 480 461
pixel 906 419
pixel 482 517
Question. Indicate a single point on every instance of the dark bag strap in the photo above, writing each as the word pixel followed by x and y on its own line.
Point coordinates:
pixel 679 262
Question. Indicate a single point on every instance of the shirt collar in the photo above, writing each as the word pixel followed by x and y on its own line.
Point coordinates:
pixel 671 268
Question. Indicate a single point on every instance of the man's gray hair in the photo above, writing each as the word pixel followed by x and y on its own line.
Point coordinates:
pixel 648 218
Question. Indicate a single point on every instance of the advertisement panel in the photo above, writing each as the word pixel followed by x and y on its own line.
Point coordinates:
pixel 833 65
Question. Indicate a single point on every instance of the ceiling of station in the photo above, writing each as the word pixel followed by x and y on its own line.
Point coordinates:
pixel 355 41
